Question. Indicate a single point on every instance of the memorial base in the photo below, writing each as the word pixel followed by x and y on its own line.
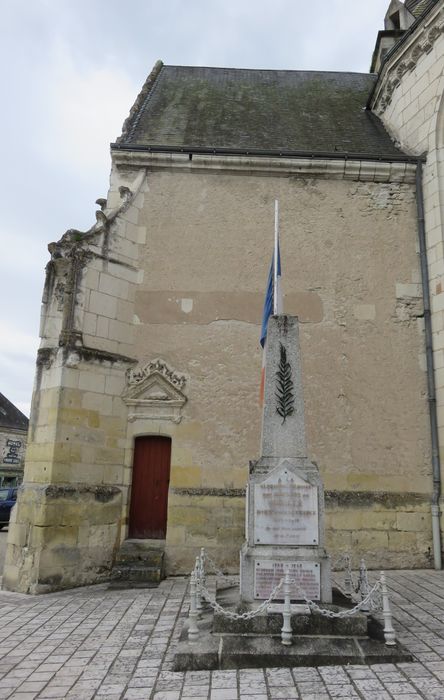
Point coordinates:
pixel 256 643
pixel 262 567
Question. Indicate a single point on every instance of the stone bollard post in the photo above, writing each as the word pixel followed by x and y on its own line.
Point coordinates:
pixel 389 632
pixel 193 630
pixel 348 576
pixel 197 569
pixel 286 635
pixel 202 574
pixel 364 586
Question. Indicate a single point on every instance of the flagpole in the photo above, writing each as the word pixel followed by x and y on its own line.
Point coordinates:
pixel 275 256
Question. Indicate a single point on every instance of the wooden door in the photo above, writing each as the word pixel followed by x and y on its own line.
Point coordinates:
pixel 149 491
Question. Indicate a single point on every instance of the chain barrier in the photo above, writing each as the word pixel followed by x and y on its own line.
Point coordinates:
pixel 374 599
pixel 362 605
pixel 246 615
pixel 365 602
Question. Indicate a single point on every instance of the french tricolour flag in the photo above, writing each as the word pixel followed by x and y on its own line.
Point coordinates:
pixel 273 304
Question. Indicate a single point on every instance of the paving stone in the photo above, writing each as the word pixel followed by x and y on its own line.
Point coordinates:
pixel 119 646
pixel 287 692
pixel 167 695
pixel 224 694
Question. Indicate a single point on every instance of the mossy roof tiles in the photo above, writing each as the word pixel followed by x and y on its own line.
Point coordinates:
pixel 232 108
pixel 11 416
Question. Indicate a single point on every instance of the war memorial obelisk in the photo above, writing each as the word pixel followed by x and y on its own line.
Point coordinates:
pixel 285 496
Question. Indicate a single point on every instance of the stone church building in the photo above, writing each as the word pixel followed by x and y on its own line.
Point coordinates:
pixel 145 410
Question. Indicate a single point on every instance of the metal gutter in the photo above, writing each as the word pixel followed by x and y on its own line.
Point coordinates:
pixel 321 155
pixel 431 391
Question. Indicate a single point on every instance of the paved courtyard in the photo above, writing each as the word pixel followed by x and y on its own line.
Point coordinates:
pixel 98 643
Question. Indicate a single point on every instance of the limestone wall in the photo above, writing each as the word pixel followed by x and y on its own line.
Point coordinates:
pixel 351 274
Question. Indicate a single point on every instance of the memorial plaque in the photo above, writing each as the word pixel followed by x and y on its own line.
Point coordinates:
pixel 286 510
pixel 267 575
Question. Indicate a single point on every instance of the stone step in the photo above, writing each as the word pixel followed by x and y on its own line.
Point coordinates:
pixel 148 558
pixel 136 576
pixel 311 624
pixel 213 652
pixel 138 572
pixel 141 551
pixel 139 563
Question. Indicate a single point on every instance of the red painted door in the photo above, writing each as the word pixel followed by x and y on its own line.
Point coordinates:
pixel 149 491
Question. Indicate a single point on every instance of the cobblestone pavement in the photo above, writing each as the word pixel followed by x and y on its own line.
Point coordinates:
pixel 97 643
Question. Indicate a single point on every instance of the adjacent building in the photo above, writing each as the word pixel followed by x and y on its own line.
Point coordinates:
pixel 13 433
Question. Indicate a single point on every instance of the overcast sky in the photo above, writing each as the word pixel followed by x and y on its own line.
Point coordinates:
pixel 71 70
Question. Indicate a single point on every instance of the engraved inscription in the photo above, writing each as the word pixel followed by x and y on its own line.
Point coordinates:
pixel 286 511
pixel 267 575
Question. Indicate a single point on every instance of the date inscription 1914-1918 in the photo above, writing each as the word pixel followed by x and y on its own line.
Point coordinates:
pixel 284 387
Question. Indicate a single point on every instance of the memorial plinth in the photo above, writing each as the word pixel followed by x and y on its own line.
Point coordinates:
pixel 285 496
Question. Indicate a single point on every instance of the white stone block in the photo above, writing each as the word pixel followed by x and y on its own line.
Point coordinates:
pixel 434 237
pixel 92 381
pixel 103 304
pixel 438 305
pixel 89 323
pixel 122 272
pixel 131 215
pixel 121 249
pixel 125 311
pixel 91 278
pixel 141 239
pixel 114 385
pixel 102 327
pixel 113 285
pixel 436 269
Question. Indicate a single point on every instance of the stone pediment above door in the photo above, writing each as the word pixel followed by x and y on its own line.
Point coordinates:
pixel 154 390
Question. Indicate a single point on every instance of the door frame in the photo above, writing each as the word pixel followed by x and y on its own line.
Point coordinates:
pixel 129 464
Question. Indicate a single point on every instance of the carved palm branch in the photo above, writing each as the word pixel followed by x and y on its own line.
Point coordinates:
pixel 284 387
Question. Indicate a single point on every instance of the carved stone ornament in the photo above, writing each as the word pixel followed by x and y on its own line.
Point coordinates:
pixel 155 391
pixel 423 45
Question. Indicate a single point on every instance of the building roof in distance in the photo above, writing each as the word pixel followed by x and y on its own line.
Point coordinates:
pixel 11 416
pixel 241 109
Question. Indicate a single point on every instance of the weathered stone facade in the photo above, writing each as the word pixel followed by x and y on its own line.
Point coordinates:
pixel 150 326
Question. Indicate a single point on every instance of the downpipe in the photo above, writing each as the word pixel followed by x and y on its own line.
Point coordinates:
pixel 431 391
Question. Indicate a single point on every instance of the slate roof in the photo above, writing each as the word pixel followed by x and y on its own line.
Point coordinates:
pixel 241 109
pixel 10 416
pixel 419 7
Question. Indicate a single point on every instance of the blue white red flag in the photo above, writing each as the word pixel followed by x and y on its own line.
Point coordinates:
pixel 270 295
pixel 273 303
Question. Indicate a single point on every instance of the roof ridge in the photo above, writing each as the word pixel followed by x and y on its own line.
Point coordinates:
pixel 139 103
pixel 269 70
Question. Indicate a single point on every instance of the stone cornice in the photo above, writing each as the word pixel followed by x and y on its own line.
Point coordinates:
pixel 405 59
pixel 348 168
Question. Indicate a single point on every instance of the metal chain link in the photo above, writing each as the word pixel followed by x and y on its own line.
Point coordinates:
pixel 241 616
pixel 345 613
pixel 311 604
pixel 373 599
